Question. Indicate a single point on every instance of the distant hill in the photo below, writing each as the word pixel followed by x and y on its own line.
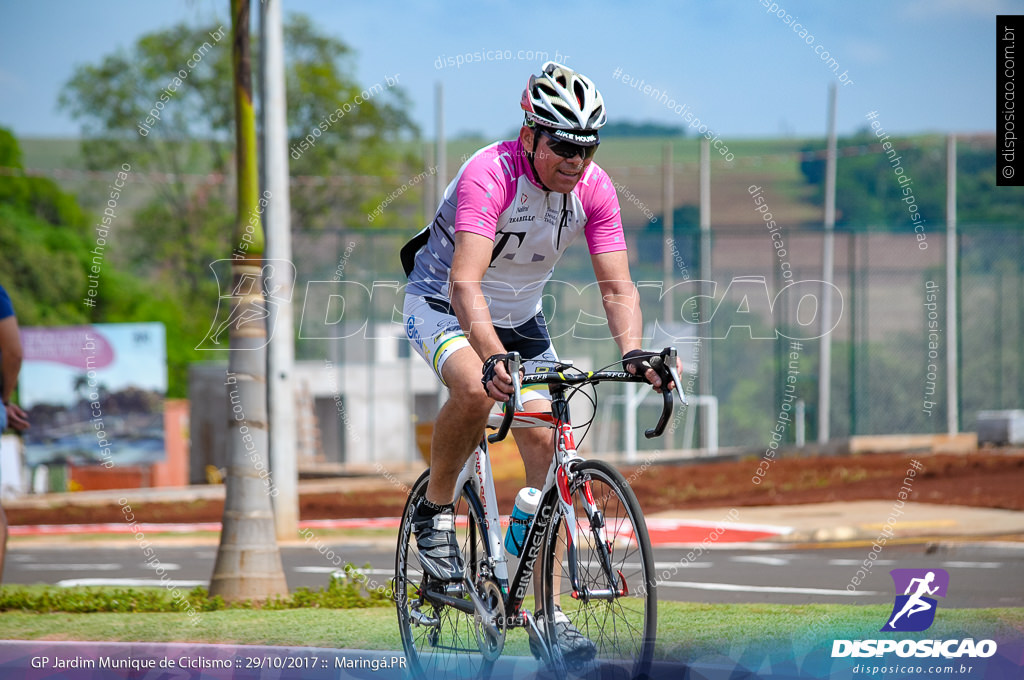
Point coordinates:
pixel 649 129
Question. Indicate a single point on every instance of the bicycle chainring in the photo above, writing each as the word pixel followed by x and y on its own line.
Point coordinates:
pixel 490 627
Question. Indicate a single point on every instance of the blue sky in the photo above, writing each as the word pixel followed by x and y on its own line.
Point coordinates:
pixel 924 65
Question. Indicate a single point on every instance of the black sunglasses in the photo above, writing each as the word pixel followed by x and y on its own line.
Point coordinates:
pixel 566 149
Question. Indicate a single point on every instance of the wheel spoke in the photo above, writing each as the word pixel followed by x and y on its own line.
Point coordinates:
pixel 450 647
pixel 622 628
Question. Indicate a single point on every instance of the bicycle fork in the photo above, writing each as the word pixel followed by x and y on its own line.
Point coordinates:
pixel 596 521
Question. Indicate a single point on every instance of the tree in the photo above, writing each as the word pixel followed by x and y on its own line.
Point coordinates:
pixel 47 242
pixel 869 194
pixel 178 229
pixel 248 562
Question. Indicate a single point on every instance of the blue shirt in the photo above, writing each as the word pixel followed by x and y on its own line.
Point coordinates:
pixel 6 308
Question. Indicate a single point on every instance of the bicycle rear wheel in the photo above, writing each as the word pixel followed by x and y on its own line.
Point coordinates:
pixel 616 605
pixel 440 640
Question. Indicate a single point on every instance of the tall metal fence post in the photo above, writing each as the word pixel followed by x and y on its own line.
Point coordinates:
pixel 952 379
pixel 705 275
pixel 667 261
pixel 827 267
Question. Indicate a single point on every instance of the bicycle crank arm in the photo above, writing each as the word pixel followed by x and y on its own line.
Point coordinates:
pixel 483 612
pixel 467 606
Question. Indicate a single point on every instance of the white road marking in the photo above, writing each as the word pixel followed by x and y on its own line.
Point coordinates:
pixel 131 582
pixel 737 588
pixel 681 564
pixel 169 566
pixel 109 566
pixel 762 559
pixel 972 565
pixel 853 563
pixel 333 570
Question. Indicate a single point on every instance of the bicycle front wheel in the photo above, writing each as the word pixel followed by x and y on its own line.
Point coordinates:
pixel 615 604
pixel 440 640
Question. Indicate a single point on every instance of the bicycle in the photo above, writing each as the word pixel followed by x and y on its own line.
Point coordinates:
pixel 604 580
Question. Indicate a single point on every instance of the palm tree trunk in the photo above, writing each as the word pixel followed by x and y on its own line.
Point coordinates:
pixel 248 561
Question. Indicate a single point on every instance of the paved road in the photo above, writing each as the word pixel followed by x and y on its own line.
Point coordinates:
pixel 981 575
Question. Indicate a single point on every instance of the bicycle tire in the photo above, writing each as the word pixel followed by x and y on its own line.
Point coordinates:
pixel 453 651
pixel 623 629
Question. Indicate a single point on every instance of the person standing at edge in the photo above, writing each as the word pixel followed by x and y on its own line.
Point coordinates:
pixel 10 365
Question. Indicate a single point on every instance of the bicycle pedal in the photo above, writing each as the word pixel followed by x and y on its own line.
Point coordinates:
pixel 421 619
pixel 538 644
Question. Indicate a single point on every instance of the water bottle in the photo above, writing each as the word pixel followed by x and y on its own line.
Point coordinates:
pixel 522 514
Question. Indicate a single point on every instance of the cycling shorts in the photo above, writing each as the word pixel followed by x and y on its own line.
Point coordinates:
pixel 434 332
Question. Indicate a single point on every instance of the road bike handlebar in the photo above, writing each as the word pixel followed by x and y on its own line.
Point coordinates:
pixel 512 364
pixel 663 362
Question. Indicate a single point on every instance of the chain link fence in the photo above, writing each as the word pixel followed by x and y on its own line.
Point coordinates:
pixel 758 319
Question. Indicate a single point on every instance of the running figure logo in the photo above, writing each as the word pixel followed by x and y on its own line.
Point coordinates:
pixel 914 610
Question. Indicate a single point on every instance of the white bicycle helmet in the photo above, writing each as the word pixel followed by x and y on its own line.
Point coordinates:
pixel 565 101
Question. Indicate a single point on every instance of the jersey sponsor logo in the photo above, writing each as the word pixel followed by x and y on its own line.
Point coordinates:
pixel 522 205
pixel 446 328
pixel 501 243
pixel 410 329
pixel 523 218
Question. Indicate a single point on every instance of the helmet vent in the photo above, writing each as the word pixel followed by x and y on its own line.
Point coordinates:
pixel 579 92
pixel 547 89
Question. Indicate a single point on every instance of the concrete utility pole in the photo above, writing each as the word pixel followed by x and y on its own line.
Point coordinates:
pixel 281 349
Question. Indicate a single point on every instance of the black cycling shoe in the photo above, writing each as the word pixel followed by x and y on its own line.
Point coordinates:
pixel 576 648
pixel 437 547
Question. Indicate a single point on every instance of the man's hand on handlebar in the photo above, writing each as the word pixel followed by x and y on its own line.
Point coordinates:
pixel 496 380
pixel 638 362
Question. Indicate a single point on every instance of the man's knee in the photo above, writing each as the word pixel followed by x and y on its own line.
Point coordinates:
pixel 467 394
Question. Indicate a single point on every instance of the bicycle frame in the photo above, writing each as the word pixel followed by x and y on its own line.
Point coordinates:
pixel 477 472
pixel 496 601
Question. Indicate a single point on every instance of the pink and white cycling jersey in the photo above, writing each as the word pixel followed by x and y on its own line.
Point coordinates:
pixel 494 195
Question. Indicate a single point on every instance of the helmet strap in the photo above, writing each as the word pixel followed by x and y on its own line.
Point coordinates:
pixel 529 157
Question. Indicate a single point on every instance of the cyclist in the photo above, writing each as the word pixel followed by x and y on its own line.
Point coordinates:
pixel 476 276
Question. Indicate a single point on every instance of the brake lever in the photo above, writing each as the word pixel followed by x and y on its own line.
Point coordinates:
pixel 513 363
pixel 670 364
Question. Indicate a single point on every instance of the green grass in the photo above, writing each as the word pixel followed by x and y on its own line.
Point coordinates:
pixel 685 630
pixel 352 591
pixel 367 629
